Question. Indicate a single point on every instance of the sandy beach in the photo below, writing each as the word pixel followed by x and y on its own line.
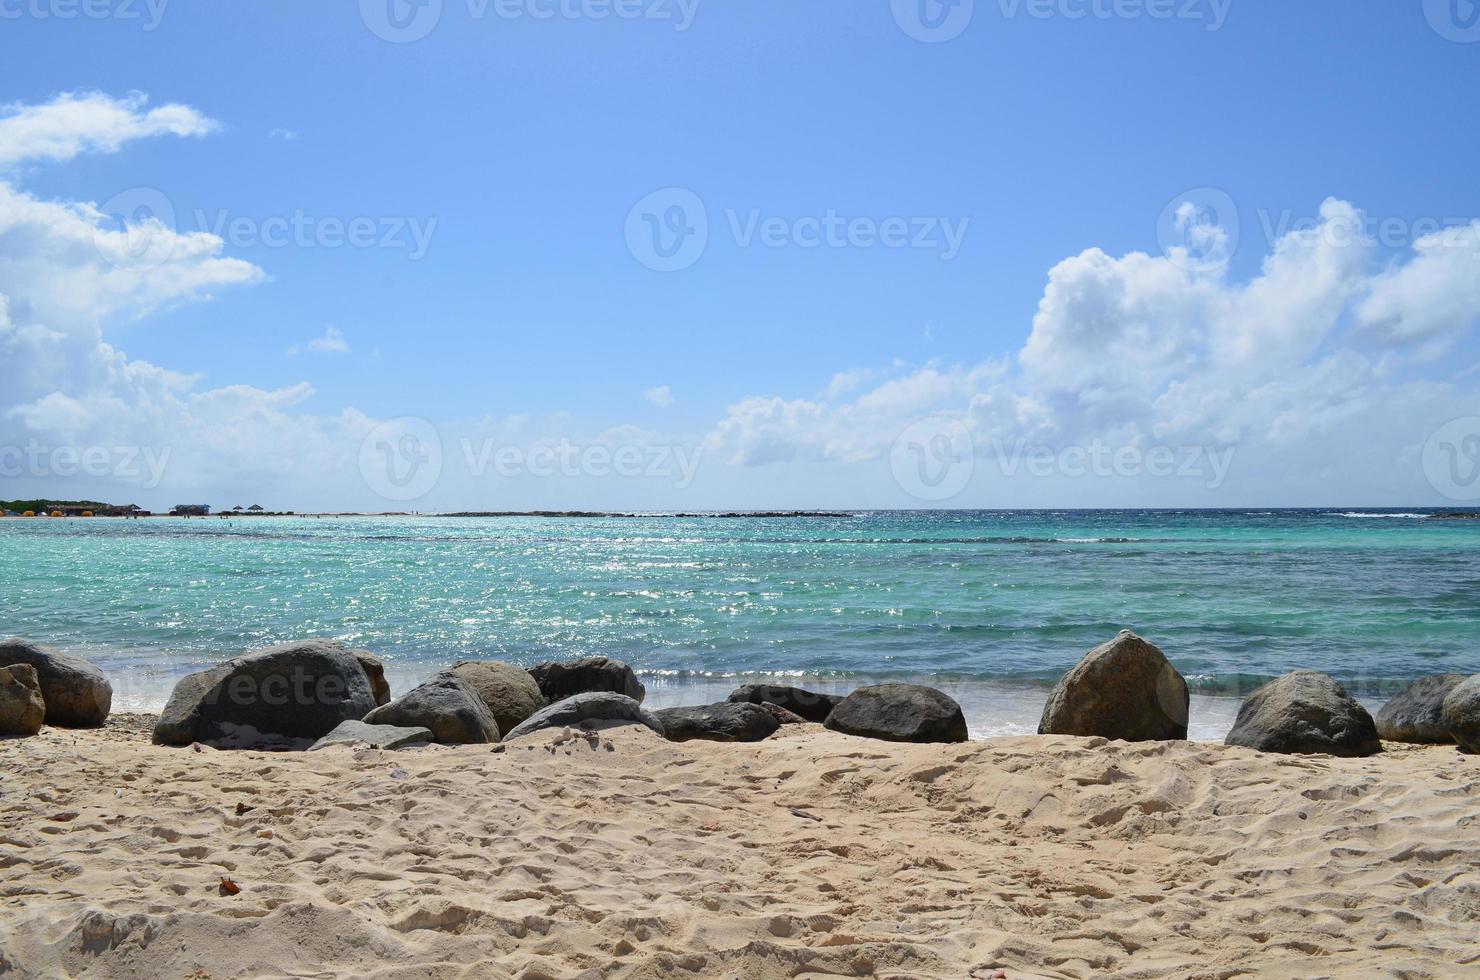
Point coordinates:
pixel 812 854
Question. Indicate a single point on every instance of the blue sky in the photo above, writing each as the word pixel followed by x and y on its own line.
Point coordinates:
pixel 520 144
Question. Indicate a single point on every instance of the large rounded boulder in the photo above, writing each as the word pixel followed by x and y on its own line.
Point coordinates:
pixel 559 681
pixel 76 693
pixel 22 711
pixel 807 705
pixel 899 713
pixel 1305 712
pixel 509 690
pixel 1414 714
pixel 283 697
pixel 723 722
pixel 589 710
pixel 447 706
pixel 1124 689
pixel 1461 714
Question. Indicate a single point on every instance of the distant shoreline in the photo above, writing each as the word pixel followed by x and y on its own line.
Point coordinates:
pixel 712 515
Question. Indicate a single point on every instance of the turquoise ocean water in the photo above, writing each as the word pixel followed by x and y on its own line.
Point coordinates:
pixel 991 606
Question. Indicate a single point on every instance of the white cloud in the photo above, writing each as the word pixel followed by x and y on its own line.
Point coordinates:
pixel 286 135
pixel 81 122
pixel 1432 298
pixel 332 342
pixel 1312 369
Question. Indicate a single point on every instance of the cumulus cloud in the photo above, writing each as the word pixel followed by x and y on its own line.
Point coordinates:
pixel 1311 369
pixel 661 396
pixel 70 269
pixel 332 342
pixel 90 122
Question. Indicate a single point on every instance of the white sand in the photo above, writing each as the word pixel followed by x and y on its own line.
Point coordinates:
pixel 809 855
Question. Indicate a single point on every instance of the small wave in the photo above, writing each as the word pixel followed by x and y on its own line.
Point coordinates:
pixel 1352 513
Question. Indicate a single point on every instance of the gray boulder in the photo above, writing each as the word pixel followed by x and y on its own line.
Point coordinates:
pixel 448 706
pixel 559 681
pixel 723 722
pixel 782 716
pixel 1461 714
pixel 808 705
pixel 22 711
pixel 1305 711
pixel 76 693
pixel 899 713
pixel 1125 689
pixel 509 691
pixel 284 697
pixel 594 707
pixel 376 736
pixel 1413 715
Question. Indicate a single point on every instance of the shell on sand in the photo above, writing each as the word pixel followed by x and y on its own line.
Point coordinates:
pixel 811 853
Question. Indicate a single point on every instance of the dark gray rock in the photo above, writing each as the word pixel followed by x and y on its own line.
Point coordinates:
pixel 595 707
pixel 22 710
pixel 509 691
pixel 283 697
pixel 1413 715
pixel 899 713
pixel 723 722
pixel 448 706
pixel 808 705
pixel 782 716
pixel 377 736
pixel 1125 689
pixel 76 693
pixel 1461 714
pixel 380 689
pixel 559 681
pixel 1305 711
